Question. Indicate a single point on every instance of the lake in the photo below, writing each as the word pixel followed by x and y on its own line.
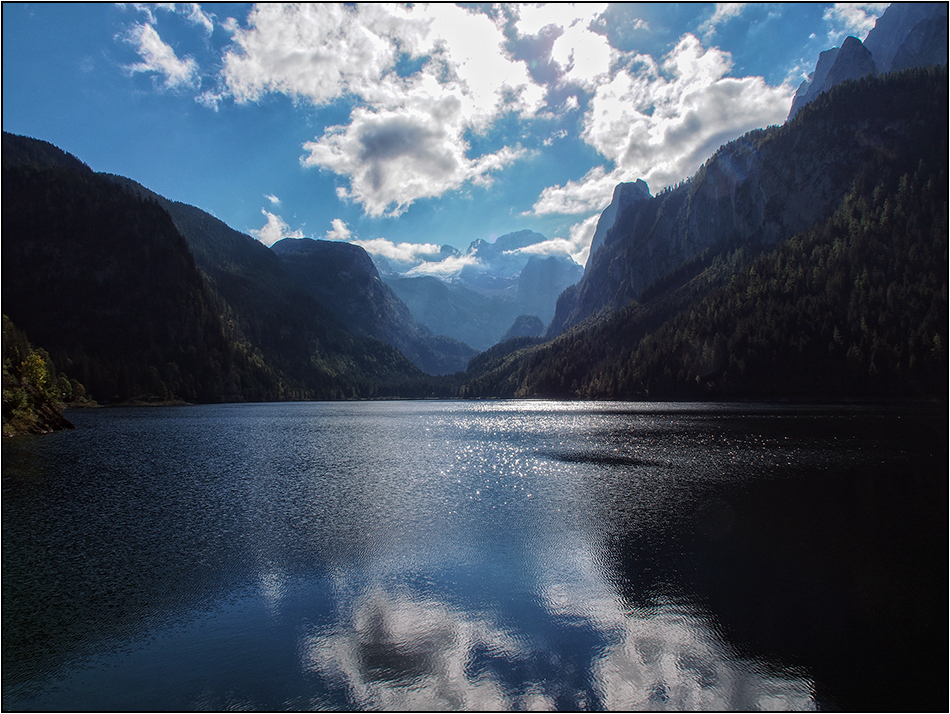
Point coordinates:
pixel 478 555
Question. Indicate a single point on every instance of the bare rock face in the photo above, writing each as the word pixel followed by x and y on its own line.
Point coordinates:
pixel 540 283
pixel 754 193
pixel 851 61
pixel 907 35
pixel 624 195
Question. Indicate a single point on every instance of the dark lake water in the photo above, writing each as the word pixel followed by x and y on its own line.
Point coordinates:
pixel 478 555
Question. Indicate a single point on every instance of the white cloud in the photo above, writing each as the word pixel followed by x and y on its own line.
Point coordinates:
pixel 659 122
pixel 159 57
pixel 199 17
pixel 405 139
pixel 855 19
pixel 590 193
pixel 577 247
pixel 274 230
pixel 392 158
pixel 581 235
pixel 582 54
pixel 451 265
pixel 190 11
pixel 399 252
pixel 272 198
pixel 339 231
pixel 534 18
pixel 724 12
pixel 585 56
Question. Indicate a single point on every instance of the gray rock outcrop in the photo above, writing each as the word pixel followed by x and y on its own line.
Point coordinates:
pixel 907 35
pixel 624 195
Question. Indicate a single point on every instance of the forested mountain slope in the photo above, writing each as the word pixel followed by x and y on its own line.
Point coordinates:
pixel 761 189
pixel 342 277
pixel 853 306
pixel 97 272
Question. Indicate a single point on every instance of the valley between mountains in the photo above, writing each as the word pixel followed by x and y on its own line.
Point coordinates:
pixel 802 261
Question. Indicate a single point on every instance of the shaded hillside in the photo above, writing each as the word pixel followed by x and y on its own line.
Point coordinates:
pixel 97 271
pixel 343 278
pixel 103 280
pixel 289 327
pixel 855 306
pixel 283 309
pixel 761 189
pixel 524 326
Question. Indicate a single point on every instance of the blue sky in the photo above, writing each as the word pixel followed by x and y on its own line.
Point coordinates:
pixel 405 128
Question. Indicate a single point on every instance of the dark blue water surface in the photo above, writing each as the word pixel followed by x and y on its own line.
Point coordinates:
pixel 479 556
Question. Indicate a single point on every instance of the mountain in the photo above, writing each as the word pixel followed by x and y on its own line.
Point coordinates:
pixel 907 35
pixel 505 279
pixel 503 258
pixel 541 281
pixel 755 192
pixel 851 61
pixel 806 261
pixel 524 326
pixel 342 277
pixel 256 277
pixel 98 271
pixel 475 318
pixel 104 282
pixel 624 195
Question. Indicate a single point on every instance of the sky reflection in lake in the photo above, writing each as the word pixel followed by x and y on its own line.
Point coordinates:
pixel 527 555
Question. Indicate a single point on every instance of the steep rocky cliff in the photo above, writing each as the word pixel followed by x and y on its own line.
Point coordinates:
pixel 624 195
pixel 753 193
pixel 907 35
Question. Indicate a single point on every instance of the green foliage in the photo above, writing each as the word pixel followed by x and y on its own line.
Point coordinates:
pixel 33 392
pixel 854 307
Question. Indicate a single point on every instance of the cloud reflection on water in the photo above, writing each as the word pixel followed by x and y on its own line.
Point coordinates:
pixel 395 651
pixel 393 648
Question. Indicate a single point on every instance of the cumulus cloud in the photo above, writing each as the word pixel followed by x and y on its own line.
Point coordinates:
pixel 580 54
pixel 451 265
pixel 857 19
pixel 406 138
pixel 592 192
pixel 398 252
pixel 158 57
pixel 274 230
pixel 424 81
pixel 272 198
pixel 659 121
pixel 393 158
pixel 339 231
